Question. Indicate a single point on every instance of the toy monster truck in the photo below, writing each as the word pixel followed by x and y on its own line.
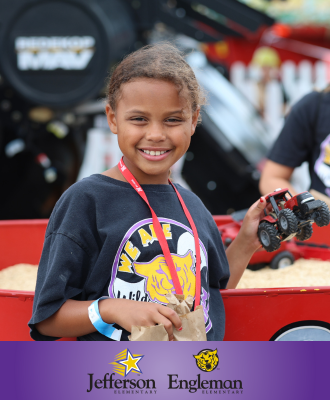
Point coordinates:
pixel 291 216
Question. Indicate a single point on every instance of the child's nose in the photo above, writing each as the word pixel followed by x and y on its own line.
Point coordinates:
pixel 156 133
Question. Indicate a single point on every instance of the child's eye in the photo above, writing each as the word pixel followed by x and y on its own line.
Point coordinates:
pixel 138 119
pixel 173 120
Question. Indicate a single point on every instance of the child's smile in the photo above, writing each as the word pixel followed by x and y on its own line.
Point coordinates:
pixel 154 153
pixel 154 124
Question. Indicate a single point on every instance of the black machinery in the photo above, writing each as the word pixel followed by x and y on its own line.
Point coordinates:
pixel 56 54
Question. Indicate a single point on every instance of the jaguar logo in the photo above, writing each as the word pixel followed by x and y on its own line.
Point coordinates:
pixel 207 360
pixel 158 276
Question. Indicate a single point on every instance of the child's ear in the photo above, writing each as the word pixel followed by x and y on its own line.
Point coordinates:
pixel 111 117
pixel 195 120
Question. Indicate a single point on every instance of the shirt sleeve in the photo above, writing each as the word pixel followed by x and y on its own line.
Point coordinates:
pixel 295 142
pixel 61 276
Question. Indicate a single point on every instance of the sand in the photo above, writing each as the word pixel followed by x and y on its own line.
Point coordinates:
pixel 301 273
pixel 19 277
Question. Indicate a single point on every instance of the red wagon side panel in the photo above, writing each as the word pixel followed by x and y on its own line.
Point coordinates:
pixel 15 313
pixel 21 241
pixel 257 314
pixel 251 314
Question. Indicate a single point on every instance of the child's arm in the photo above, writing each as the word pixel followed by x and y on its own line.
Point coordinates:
pixel 72 319
pixel 245 244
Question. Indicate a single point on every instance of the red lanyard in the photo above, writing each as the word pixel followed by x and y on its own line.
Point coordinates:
pixel 161 237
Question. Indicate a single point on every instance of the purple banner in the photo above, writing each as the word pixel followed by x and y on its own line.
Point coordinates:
pixel 164 370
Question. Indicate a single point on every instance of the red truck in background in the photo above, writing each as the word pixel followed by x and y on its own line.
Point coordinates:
pixel 251 314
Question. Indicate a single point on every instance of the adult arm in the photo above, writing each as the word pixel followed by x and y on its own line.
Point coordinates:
pixel 292 147
pixel 275 176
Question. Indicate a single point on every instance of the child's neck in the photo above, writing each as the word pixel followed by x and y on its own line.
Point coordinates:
pixel 115 173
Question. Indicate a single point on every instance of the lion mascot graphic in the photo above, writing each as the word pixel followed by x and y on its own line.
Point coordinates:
pixel 207 360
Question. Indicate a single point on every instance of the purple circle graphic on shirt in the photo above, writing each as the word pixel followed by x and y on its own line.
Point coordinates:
pixel 153 284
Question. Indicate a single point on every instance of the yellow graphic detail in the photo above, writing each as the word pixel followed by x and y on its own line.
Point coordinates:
pixel 167 231
pixel 147 239
pixel 153 233
pixel 125 264
pixel 158 277
pixel 132 251
pixel 207 360
pixel 126 362
pixel 130 363
pixel 327 154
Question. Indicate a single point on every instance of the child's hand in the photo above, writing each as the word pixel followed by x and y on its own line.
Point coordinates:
pixel 249 228
pixel 129 312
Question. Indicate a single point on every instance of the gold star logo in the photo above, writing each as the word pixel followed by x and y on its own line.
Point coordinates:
pixel 128 363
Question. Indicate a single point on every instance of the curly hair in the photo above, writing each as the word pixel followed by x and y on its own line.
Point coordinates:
pixel 161 61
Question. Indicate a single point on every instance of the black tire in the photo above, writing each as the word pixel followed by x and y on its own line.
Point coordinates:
pixel 323 217
pixel 305 233
pixel 287 222
pixel 256 267
pixel 282 260
pixel 267 234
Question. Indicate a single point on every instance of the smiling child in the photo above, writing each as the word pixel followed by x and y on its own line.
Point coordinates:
pixel 118 242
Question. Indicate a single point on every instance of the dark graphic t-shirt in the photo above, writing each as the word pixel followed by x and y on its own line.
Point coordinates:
pixel 306 137
pixel 100 241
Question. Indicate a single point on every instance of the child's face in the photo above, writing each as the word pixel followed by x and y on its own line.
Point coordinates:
pixel 154 124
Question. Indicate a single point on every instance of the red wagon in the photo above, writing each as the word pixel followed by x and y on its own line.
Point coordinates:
pixel 251 314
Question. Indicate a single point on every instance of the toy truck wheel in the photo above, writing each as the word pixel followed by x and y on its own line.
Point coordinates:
pixel 305 232
pixel 287 222
pixel 323 217
pixel 282 260
pixel 267 234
